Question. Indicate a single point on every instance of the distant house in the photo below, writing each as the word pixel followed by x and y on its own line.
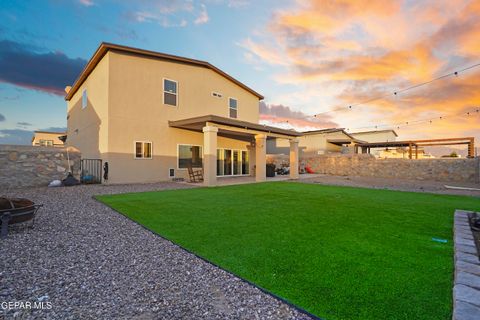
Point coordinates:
pixel 324 141
pixel 47 139
pixel 152 116
pixel 376 135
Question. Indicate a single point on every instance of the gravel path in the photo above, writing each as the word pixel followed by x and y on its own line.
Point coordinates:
pixel 394 184
pixel 90 262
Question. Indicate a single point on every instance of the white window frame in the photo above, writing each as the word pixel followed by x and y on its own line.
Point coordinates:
pixel 231 165
pixel 135 149
pixel 84 98
pixel 178 153
pixel 163 93
pixel 232 98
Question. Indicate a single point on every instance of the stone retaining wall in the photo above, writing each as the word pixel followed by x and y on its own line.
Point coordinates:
pixel 28 166
pixel 453 170
pixel 366 165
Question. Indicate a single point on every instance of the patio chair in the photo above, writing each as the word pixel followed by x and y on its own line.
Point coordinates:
pixel 195 175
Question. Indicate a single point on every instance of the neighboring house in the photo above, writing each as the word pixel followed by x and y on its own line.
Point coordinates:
pixel 376 135
pixel 334 140
pixel 398 152
pixel 47 139
pixel 152 115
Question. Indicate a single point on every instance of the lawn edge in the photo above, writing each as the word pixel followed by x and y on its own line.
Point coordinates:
pixel 277 297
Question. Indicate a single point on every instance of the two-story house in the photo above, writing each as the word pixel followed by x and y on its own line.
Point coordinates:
pixel 151 115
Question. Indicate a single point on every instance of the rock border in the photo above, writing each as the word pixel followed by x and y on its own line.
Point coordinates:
pixel 466 287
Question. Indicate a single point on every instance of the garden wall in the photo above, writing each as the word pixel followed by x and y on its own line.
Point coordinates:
pixel 28 166
pixel 366 165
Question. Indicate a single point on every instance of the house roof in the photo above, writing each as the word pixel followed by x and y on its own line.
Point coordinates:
pixel 331 130
pixel 197 124
pixel 52 132
pixel 105 47
pixel 375 131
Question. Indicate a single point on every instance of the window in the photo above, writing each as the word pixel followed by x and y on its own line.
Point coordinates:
pixel 84 99
pixel 170 92
pixel 143 150
pixel 46 143
pixel 232 105
pixel 189 155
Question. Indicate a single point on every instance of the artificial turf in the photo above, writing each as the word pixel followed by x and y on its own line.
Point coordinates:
pixel 337 252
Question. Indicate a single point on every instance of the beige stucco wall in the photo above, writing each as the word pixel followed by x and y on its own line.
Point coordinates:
pixel 87 129
pixel 53 136
pixel 126 94
pixel 309 144
pixel 379 136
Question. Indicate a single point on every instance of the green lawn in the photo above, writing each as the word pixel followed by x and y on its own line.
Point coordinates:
pixel 337 252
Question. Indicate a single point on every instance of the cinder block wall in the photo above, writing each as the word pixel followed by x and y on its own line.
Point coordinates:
pixel 441 169
pixel 28 166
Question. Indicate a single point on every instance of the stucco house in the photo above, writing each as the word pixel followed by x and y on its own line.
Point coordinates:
pixel 151 115
pixel 311 143
pixel 47 139
pixel 376 135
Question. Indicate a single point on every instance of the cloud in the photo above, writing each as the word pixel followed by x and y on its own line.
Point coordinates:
pixel 27 67
pixel 2 117
pixel 238 3
pixel 203 16
pixel 164 12
pixel 284 117
pixel 360 50
pixel 24 125
pixel 86 3
pixel 15 136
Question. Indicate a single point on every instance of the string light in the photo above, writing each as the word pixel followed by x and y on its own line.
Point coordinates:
pixel 395 93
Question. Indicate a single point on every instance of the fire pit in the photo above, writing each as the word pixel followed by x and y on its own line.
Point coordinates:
pixel 15 211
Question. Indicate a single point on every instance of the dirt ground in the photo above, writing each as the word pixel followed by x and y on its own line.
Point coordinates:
pixel 395 184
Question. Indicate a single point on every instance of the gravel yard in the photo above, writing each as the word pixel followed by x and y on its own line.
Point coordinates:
pixel 90 262
pixel 394 184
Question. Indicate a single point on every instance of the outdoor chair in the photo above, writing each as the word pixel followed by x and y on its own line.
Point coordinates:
pixel 195 175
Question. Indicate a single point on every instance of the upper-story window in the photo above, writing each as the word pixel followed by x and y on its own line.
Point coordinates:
pixel 233 107
pixel 170 92
pixel 84 99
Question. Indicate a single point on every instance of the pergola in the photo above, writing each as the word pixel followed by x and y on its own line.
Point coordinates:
pixel 413 145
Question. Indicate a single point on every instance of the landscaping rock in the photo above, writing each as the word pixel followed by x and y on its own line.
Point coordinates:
pixel 91 262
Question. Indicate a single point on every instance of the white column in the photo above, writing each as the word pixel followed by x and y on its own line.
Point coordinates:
pixel 210 156
pixel 294 158
pixel 260 157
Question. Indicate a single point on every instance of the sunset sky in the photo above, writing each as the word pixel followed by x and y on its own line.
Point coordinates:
pixel 306 57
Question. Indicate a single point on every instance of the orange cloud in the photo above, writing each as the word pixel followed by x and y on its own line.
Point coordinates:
pixel 369 49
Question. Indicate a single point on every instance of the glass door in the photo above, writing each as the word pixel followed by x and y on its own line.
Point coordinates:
pixel 227 163
pixel 220 162
pixel 245 163
pixel 237 164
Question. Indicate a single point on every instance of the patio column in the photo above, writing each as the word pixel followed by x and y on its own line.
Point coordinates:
pixel 294 158
pixel 252 157
pixel 210 156
pixel 260 157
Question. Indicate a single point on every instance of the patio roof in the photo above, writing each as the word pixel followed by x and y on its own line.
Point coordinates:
pixel 233 128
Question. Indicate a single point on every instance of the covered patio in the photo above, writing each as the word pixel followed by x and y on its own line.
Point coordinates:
pixel 255 134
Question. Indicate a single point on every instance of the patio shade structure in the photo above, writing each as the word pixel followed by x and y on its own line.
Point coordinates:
pixel 413 145
pixel 254 133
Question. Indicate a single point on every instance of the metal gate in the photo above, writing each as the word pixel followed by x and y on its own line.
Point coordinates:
pixel 91 171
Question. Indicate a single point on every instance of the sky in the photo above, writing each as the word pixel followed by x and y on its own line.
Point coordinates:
pixel 319 64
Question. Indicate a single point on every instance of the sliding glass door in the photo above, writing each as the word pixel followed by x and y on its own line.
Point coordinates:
pixel 232 162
